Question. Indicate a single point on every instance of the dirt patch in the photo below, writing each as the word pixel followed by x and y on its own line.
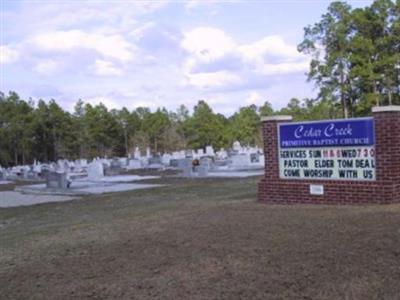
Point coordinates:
pixel 152 172
pixel 11 186
pixel 198 239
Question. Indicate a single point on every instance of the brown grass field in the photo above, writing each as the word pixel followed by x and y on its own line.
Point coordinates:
pixel 198 239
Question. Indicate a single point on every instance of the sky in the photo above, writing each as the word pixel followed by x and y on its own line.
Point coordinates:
pixel 158 53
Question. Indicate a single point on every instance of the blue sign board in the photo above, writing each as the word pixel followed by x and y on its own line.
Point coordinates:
pixel 334 133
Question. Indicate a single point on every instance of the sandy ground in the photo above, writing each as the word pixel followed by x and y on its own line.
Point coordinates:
pixel 120 187
pixel 5 182
pixel 14 199
pixel 80 188
pixel 235 174
pixel 125 178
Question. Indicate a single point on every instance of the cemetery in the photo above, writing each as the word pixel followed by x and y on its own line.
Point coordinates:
pixel 102 175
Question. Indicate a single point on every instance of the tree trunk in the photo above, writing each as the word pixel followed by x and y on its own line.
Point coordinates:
pixel 126 142
pixel 15 156
pixel 342 93
pixel 389 89
pixel 55 157
pixel 377 94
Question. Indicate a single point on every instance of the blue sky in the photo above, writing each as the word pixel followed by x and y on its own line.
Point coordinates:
pixel 157 53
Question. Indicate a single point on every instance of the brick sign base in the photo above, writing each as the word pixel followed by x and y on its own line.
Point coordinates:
pixel 384 190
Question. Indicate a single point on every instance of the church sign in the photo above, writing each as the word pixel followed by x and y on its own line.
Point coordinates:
pixel 330 149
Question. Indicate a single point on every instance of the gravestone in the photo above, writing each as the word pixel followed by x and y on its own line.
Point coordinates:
pixel 82 162
pixel 95 170
pixel 222 154
pixel 184 163
pixel 187 171
pixel 237 147
pixel 37 168
pixel 206 162
pixel 155 160
pixel 44 171
pixel 77 167
pixel 24 173
pixel 137 155
pixel 200 152
pixel 240 160
pixel 254 157
pixel 210 151
pixel 31 174
pixel 113 169
pixel 124 161
pixel 134 164
pixel 187 153
pixel 202 171
pixel 57 180
pixel 174 163
pixel 148 152
pixel 166 158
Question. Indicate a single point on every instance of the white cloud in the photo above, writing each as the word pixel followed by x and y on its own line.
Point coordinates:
pixel 207 44
pixel 106 68
pixel 64 15
pixel 48 66
pixel 8 55
pixel 213 79
pixel 192 4
pixel 117 100
pixel 109 102
pixel 271 45
pixel 273 56
pixel 215 59
pixel 114 46
pixel 254 98
pixel 283 68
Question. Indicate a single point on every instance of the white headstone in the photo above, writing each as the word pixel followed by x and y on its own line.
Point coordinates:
pixel 148 152
pixel 166 158
pixel 137 153
pixel 210 151
pixel 134 164
pixel 95 170
pixel 83 162
pixel 237 147
pixel 240 160
pixel 222 154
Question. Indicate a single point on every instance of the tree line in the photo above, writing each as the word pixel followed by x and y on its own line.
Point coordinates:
pixel 355 64
pixel 46 132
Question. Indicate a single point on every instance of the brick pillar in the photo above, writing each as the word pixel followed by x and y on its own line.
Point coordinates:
pixel 387 145
pixel 270 137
